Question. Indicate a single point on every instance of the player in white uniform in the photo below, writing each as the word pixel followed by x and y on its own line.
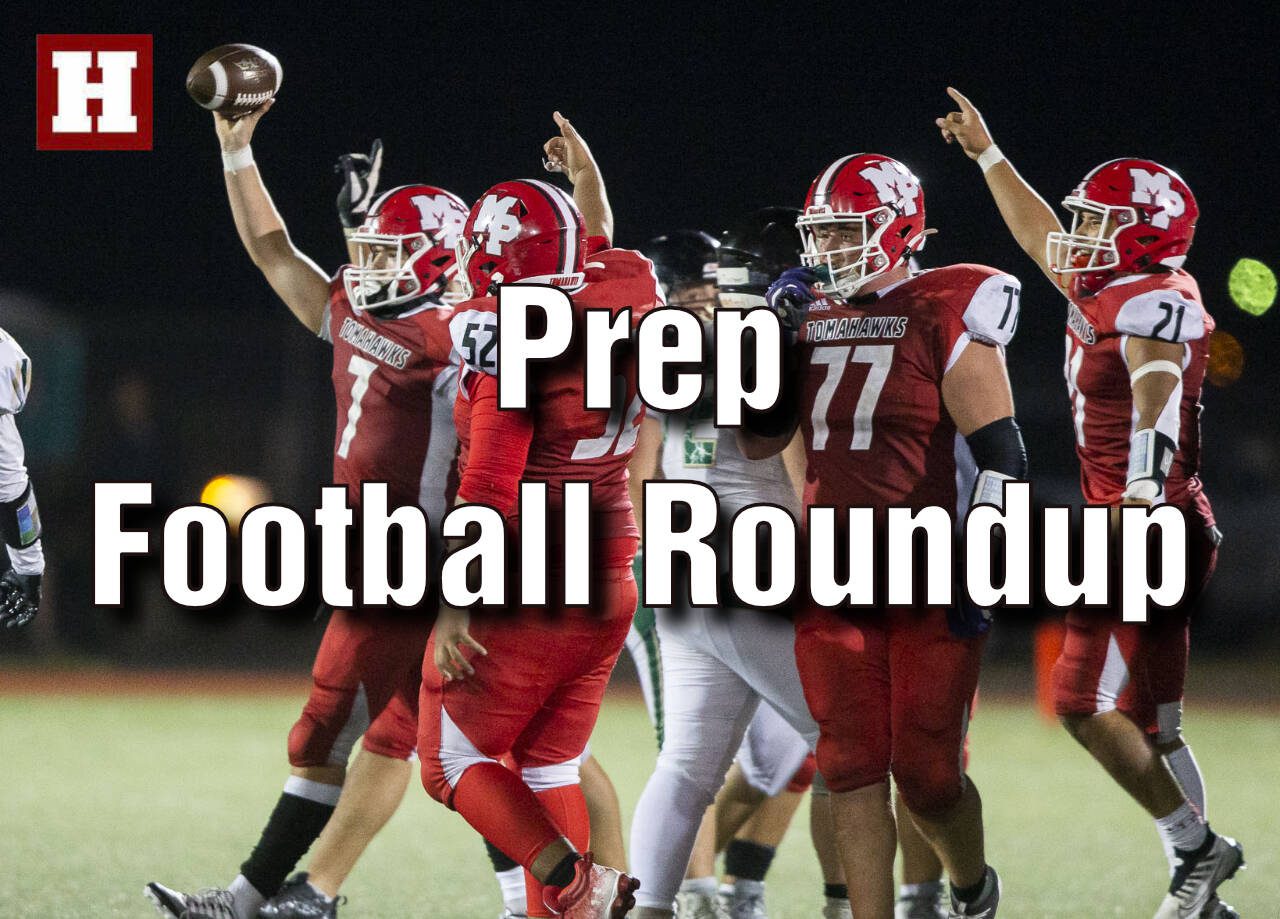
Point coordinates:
pixel 19 516
pixel 717 665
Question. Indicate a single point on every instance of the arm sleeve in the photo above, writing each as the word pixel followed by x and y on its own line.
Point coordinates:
pixel 498 450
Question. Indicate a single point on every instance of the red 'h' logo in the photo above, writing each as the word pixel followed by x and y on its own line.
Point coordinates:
pixel 93 92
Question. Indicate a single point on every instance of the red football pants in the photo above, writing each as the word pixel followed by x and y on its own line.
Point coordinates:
pixel 891 692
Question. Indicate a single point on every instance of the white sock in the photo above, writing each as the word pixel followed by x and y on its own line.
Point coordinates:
pixel 1183 829
pixel 1183 765
pixel 926 890
pixel 511 883
pixel 743 888
pixel 726 889
pixel 706 886
pixel 246 898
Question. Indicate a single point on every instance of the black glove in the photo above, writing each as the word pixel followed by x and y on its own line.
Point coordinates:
pixel 19 599
pixel 359 184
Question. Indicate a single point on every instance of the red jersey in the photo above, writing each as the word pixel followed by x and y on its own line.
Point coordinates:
pixel 394 383
pixel 569 442
pixel 875 428
pixel 1164 306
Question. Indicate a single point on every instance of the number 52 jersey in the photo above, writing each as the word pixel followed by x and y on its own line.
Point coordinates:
pixel 876 431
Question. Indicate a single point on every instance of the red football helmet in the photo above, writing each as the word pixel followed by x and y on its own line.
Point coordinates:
pixel 405 248
pixel 1146 215
pixel 522 230
pixel 875 194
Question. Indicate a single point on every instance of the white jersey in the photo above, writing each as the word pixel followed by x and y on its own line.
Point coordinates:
pixel 694 449
pixel 15 384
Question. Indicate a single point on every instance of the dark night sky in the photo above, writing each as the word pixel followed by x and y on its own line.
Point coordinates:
pixel 697 114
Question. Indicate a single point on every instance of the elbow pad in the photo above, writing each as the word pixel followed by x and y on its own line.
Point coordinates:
pixel 1000 455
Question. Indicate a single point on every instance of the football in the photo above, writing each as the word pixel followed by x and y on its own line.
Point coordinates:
pixel 234 79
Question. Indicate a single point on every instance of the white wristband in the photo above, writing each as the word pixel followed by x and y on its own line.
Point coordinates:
pixel 237 160
pixel 989 157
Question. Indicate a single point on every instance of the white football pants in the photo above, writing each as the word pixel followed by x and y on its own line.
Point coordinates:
pixel 717 666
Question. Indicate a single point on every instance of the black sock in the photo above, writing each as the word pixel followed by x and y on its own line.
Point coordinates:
pixel 499 858
pixel 562 874
pixel 971 894
pixel 836 891
pixel 748 860
pixel 292 828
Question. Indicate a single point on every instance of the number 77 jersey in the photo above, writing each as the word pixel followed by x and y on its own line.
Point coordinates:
pixel 876 431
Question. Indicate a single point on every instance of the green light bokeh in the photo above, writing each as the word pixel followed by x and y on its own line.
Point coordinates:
pixel 1252 286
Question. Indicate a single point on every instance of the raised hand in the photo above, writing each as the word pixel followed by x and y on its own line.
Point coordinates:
pixel 236 133
pixel 965 127
pixel 359 184
pixel 568 153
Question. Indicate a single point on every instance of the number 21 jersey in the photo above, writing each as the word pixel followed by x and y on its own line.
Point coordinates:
pixel 1164 306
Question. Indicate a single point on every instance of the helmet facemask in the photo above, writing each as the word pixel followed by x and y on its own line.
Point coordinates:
pixel 860 263
pixel 394 281
pixel 1074 252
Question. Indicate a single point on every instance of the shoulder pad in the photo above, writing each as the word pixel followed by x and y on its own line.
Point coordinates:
pixel 474 331
pixel 630 267
pixel 991 307
pixel 1164 314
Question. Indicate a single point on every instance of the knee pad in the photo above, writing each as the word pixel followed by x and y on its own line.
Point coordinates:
pixel 929 789
pixel 441 768
pixel 331 722
pixel 704 785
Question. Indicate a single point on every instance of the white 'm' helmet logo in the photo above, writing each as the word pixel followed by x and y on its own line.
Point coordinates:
pixel 1154 188
pixel 894 185
pixel 497 220
pixel 441 218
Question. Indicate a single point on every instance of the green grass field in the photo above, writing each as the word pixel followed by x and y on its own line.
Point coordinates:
pixel 102 794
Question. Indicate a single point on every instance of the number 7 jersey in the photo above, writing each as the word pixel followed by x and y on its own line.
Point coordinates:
pixel 876 431
pixel 393 382
pixel 1166 307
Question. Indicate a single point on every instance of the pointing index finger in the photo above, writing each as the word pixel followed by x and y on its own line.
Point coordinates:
pixel 961 99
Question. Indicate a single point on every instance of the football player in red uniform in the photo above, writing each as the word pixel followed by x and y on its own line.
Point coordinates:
pixel 903 401
pixel 531 684
pixel 1136 348
pixel 393 381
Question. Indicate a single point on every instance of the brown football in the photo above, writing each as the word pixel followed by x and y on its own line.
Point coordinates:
pixel 234 79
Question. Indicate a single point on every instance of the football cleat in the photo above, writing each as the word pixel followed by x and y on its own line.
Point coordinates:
pixel 596 892
pixel 1216 909
pixel 1197 876
pixel 837 908
pixel 747 904
pixel 299 900
pixel 927 906
pixel 694 904
pixel 209 903
pixel 985 907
